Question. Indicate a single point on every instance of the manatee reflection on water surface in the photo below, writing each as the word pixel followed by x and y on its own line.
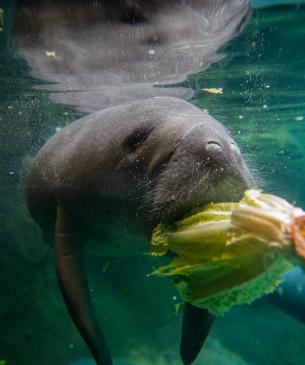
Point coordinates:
pixel 262 77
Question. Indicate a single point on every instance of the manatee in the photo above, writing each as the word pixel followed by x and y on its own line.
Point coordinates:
pixel 117 173
pixel 143 156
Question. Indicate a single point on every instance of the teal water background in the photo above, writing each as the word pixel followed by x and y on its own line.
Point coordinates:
pixel 263 105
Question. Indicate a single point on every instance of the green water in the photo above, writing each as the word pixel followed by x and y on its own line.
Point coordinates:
pixel 263 105
pixel 263 100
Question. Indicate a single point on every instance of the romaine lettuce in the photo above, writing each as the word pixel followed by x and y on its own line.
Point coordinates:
pixel 231 253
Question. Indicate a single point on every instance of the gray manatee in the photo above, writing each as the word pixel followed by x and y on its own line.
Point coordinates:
pixel 143 156
pixel 117 173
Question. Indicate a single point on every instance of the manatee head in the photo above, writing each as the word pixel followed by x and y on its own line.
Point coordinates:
pixel 204 165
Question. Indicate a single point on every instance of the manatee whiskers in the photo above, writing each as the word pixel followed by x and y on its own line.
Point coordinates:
pixel 180 199
pixel 205 183
pixel 229 189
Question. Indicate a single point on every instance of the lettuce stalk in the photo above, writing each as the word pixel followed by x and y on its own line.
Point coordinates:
pixel 231 253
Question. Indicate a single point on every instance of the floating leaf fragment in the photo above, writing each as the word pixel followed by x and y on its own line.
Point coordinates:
pixel 51 54
pixel 213 90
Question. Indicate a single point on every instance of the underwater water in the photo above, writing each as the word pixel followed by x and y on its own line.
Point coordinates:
pixel 263 106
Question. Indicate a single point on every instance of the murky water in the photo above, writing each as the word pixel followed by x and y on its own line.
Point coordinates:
pixel 263 105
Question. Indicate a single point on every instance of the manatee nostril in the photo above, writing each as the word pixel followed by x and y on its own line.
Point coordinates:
pixel 213 146
pixel 234 148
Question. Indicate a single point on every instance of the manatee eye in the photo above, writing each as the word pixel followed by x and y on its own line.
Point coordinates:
pixel 135 140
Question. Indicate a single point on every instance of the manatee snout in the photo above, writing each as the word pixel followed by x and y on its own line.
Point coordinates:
pixel 224 160
pixel 207 166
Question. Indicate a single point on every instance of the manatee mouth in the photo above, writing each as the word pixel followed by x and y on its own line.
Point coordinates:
pixel 210 190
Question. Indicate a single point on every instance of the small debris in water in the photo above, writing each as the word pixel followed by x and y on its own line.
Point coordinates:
pixel 66 113
pixel 267 86
pixel 213 90
pixel 105 266
pixel 265 106
pixel 299 118
pixel 57 129
pixel 71 346
pixel 10 107
pixel 240 117
pixel 151 52
pixel 10 173
pixel 51 54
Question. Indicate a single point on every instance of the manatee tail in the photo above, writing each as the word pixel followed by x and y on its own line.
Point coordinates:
pixel 74 287
pixel 196 326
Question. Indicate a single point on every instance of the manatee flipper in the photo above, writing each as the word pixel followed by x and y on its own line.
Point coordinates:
pixel 74 287
pixel 195 329
pixel 289 297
